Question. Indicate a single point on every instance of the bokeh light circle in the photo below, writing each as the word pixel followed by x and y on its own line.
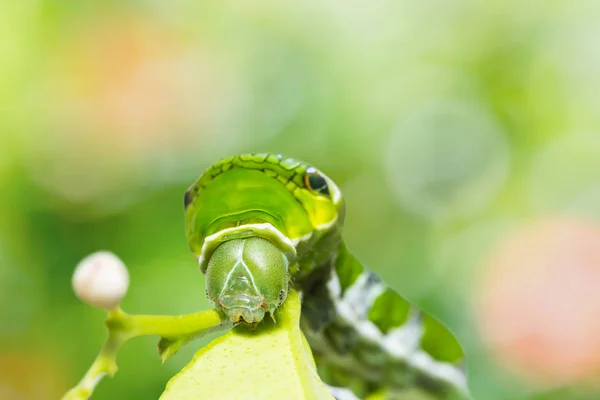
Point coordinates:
pixel 447 159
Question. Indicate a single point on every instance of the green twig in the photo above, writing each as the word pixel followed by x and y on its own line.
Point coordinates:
pixel 174 331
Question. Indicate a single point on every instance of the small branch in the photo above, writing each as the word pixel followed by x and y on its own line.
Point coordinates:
pixel 166 326
pixel 174 331
pixel 105 364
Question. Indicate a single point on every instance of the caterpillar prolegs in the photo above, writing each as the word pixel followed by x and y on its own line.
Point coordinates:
pixel 259 223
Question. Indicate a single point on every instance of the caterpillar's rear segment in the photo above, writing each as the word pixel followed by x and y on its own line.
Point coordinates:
pixel 367 337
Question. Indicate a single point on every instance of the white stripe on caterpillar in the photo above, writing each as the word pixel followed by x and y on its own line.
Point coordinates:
pixel 363 293
pixel 340 393
pixel 401 343
pixel 404 340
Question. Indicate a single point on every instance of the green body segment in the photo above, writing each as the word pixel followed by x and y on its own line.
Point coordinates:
pixel 365 336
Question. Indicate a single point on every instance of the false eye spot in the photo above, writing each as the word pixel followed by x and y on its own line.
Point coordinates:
pixel 316 182
pixel 281 294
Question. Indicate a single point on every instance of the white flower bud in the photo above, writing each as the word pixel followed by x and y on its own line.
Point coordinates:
pixel 101 280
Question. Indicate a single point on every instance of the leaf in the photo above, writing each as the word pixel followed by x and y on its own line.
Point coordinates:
pixel 272 363
pixel 168 347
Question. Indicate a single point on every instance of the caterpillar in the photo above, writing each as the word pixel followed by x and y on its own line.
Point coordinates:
pixel 261 223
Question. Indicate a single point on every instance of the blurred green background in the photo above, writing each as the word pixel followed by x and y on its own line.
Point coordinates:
pixel 444 123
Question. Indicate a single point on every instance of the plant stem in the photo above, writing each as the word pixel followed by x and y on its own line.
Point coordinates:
pixel 173 330
pixel 178 326
pixel 105 364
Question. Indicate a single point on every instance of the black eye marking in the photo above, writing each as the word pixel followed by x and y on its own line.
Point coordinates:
pixel 316 182
pixel 281 295
pixel 188 198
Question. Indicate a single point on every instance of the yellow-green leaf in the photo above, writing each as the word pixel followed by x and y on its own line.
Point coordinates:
pixel 272 363
pixel 168 347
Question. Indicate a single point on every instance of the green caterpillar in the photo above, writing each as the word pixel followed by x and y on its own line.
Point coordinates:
pixel 259 223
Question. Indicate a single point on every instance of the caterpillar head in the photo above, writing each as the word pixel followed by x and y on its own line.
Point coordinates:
pixel 249 217
pixel 247 278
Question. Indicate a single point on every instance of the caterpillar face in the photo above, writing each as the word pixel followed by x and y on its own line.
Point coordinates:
pixel 246 278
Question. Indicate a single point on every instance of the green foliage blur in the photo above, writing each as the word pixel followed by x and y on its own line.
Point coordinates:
pixel 444 123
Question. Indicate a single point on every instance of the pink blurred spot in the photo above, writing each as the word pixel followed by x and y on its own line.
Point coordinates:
pixel 139 83
pixel 126 98
pixel 539 303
